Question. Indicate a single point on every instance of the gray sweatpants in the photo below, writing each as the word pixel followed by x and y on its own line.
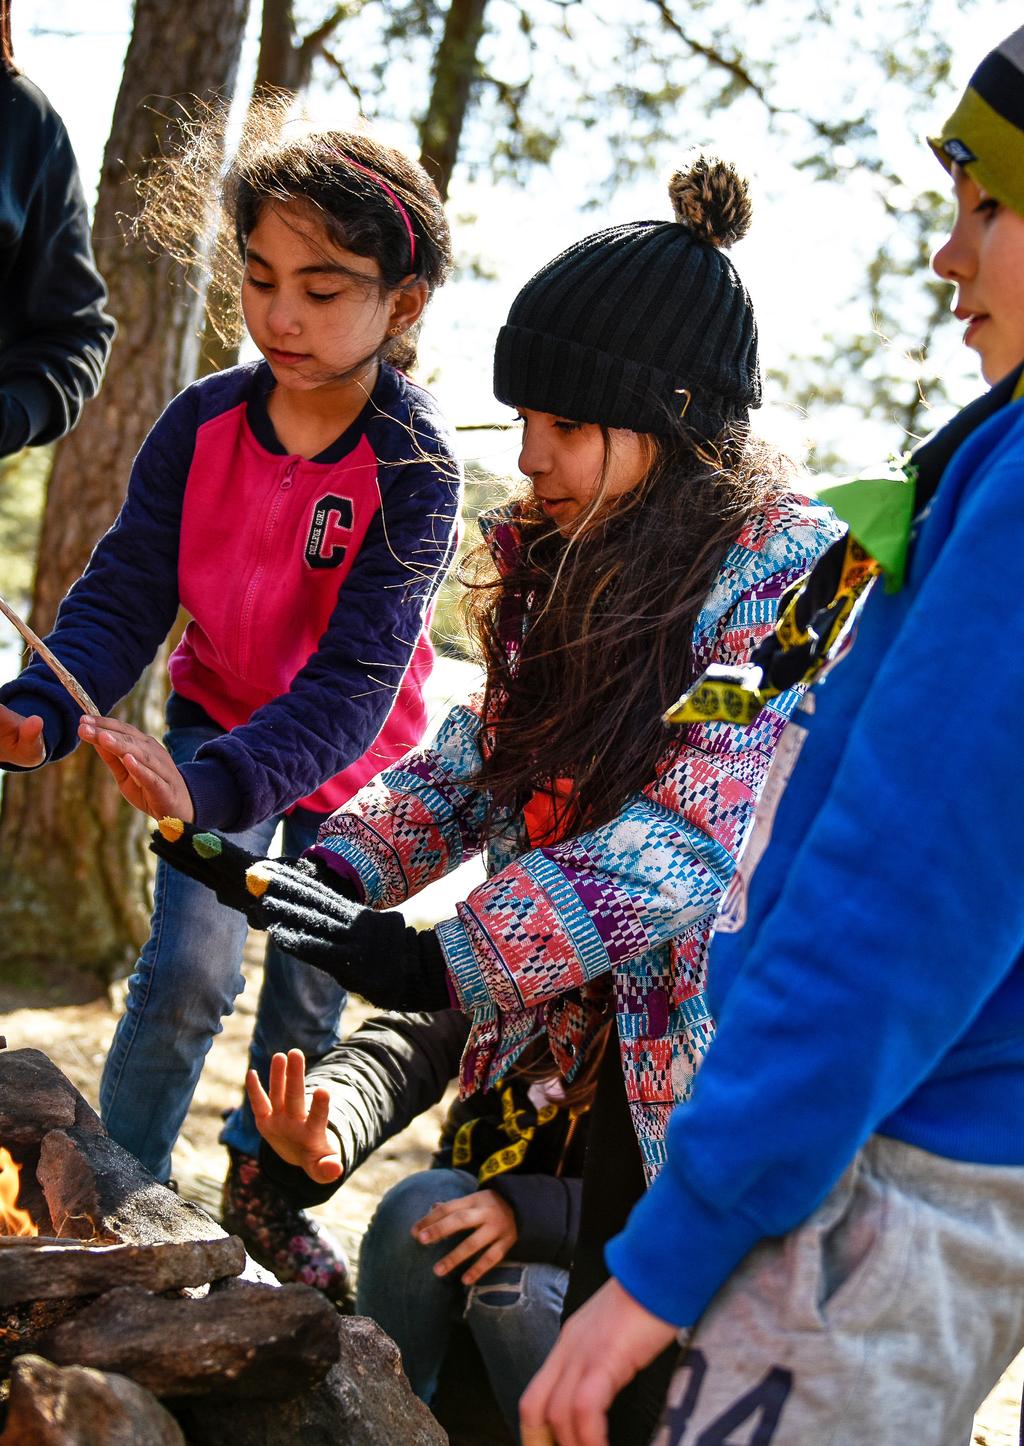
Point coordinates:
pixel 884 1320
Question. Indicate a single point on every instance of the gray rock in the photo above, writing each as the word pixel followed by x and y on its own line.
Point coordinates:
pixel 256 1341
pixel 35 1097
pixel 94 1189
pixel 364 1400
pixel 77 1407
pixel 52 1271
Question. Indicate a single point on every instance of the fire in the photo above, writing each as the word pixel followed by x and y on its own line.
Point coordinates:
pixel 13 1221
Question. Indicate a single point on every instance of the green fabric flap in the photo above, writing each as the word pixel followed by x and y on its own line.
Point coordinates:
pixel 878 511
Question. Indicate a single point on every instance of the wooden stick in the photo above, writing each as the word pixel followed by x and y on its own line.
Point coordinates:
pixel 37 645
pixel 16 1242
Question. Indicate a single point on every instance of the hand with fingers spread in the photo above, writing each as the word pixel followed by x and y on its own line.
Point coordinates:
pixel 492 1232
pixel 310 913
pixel 21 739
pixel 601 1348
pixel 142 768
pixel 293 1126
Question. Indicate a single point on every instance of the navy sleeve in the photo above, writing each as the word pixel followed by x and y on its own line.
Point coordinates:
pixel 547 1211
pixel 55 336
pixel 338 702
pixel 114 619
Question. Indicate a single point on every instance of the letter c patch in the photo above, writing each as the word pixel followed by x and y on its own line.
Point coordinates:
pixel 330 531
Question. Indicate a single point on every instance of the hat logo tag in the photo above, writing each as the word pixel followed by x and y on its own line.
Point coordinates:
pixel 688 395
pixel 959 153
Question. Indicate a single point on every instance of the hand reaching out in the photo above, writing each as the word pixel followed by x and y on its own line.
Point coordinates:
pixel 600 1349
pixel 295 1128
pixel 21 739
pixel 310 912
pixel 142 768
pixel 491 1224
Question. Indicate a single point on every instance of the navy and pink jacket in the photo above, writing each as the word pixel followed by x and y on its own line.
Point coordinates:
pixel 308 584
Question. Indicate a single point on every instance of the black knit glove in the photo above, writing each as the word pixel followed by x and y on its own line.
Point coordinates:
pixel 309 912
pixel 218 863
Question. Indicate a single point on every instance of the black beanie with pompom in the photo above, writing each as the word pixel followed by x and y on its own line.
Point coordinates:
pixel 643 324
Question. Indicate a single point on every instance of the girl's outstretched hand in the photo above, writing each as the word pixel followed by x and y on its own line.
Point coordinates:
pixel 295 1128
pixel 143 770
pixel 490 1221
pixel 21 739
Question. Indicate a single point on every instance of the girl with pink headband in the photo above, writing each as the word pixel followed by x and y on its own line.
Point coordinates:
pixel 302 509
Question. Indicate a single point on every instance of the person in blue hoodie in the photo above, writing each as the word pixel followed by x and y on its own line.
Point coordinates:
pixel 837 1237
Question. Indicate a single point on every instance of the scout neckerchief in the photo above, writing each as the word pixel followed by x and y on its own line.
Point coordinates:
pixel 517 1125
pixel 878 509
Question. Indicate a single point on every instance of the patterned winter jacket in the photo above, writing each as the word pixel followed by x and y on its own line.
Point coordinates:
pixel 531 949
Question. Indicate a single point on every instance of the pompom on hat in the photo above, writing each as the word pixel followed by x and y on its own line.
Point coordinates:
pixel 643 324
pixel 985 134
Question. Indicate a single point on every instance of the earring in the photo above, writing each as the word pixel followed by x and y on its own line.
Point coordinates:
pixel 394 330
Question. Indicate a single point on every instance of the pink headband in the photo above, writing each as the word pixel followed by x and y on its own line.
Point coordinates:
pixel 398 205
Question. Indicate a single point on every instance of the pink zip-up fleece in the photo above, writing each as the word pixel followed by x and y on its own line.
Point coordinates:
pixel 308 582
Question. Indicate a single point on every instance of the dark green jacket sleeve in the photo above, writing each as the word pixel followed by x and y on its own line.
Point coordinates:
pixel 390 1070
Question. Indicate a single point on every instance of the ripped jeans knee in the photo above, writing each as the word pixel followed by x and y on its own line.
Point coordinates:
pixel 514 1314
pixel 500 1289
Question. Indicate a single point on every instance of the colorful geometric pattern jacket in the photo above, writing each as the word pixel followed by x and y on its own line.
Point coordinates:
pixel 634 900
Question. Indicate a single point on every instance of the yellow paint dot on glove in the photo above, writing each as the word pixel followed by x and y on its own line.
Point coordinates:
pixel 171 829
pixel 257 879
pixel 207 845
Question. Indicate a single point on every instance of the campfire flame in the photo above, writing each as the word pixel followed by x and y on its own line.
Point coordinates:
pixel 13 1220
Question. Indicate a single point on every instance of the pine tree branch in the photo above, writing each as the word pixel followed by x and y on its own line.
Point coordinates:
pixel 337 65
pixel 739 72
pixel 312 45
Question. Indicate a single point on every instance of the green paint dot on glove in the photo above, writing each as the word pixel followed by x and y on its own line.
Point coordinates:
pixel 207 845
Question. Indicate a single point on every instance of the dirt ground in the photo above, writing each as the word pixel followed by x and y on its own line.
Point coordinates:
pixel 76 1037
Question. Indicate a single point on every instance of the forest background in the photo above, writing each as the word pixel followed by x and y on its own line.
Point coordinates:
pixel 541 120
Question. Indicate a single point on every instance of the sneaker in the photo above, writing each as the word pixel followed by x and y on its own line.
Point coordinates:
pixel 281 1237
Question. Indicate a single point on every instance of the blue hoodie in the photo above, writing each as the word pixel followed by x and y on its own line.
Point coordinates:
pixel 876 986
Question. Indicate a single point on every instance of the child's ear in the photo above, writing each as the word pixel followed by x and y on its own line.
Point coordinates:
pixel 406 305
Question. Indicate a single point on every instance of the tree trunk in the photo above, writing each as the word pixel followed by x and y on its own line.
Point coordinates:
pixel 455 69
pixel 280 65
pixel 73 854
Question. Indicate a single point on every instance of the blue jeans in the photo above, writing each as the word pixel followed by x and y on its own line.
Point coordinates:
pixel 513 1312
pixel 186 980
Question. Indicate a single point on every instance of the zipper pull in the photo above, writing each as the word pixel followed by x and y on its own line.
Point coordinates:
pixel 289 474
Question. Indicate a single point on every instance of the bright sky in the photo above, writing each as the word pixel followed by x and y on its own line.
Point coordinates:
pixel 800 262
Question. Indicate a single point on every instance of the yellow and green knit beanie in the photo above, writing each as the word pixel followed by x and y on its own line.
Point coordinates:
pixel 985 134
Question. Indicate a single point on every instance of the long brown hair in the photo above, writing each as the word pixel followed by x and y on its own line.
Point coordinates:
pixel 6 45
pixel 609 614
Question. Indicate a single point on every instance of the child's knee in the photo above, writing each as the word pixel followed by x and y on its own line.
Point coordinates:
pixel 503 1288
pixel 409 1201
